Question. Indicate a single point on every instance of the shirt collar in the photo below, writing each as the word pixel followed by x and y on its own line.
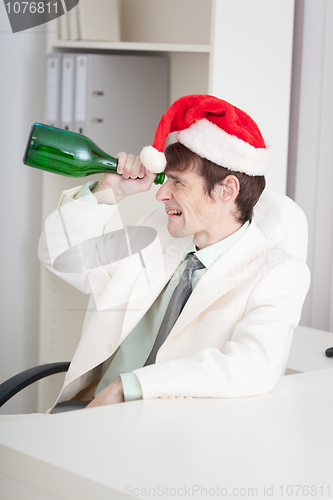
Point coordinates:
pixel 210 254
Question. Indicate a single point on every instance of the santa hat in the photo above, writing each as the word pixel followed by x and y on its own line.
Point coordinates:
pixel 213 129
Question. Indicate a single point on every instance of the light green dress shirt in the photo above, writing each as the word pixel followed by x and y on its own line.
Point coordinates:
pixel 135 349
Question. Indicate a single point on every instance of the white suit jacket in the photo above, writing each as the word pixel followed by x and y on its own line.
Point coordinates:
pixel 233 336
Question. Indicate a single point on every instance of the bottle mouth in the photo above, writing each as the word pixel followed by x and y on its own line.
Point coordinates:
pixel 159 179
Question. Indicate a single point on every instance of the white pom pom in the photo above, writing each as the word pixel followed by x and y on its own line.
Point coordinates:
pixel 153 160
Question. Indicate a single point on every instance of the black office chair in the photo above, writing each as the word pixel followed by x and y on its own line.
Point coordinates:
pixel 15 384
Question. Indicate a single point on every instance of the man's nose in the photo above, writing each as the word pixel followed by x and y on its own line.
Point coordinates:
pixel 164 193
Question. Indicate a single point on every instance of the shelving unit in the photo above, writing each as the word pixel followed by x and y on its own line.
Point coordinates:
pixel 132 46
pixel 179 28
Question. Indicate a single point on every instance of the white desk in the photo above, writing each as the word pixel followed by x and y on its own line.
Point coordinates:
pixel 282 439
pixel 307 352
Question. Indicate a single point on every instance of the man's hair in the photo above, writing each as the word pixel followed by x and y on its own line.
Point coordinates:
pixel 180 158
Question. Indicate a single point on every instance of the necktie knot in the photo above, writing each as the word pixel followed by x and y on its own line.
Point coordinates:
pixel 193 263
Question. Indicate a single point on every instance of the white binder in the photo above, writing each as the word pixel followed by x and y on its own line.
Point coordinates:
pixel 67 91
pixel 53 82
pixel 81 97
pixel 119 99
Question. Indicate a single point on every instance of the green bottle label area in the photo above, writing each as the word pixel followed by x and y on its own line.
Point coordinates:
pixel 68 153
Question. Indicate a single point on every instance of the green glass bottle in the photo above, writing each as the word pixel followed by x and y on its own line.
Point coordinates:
pixel 68 153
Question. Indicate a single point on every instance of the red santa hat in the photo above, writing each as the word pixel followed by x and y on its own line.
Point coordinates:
pixel 213 129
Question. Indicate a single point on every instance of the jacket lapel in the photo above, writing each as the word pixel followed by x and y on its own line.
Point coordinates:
pixel 151 280
pixel 218 280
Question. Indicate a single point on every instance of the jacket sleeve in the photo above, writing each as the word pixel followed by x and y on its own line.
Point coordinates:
pixel 254 359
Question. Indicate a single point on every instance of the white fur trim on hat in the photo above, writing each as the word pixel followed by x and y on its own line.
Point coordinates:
pixel 211 142
pixel 153 160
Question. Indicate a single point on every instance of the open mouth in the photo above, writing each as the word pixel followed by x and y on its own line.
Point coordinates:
pixel 174 213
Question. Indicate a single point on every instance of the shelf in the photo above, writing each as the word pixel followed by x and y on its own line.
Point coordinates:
pixel 135 46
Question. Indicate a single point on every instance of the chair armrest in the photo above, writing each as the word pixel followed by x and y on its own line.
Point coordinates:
pixel 15 384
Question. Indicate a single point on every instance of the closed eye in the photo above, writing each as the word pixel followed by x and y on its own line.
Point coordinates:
pixel 175 179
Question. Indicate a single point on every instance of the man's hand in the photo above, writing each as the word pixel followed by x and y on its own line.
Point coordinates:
pixel 112 394
pixel 133 178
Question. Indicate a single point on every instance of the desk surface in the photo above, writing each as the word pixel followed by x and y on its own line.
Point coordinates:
pixel 273 446
pixel 307 352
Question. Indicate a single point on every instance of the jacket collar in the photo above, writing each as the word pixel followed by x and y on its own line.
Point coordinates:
pixel 218 279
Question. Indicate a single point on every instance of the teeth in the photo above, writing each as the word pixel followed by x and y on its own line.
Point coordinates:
pixel 175 212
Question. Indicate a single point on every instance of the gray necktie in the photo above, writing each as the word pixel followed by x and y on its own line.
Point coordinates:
pixel 178 300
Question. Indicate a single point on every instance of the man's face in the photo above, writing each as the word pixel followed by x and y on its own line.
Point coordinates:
pixel 189 208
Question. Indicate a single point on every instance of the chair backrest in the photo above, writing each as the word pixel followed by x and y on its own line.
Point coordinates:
pixel 279 217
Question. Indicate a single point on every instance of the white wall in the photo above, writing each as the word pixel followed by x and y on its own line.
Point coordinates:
pixel 311 150
pixel 21 103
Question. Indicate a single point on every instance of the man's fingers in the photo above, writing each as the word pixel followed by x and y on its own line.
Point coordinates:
pixel 130 166
pixel 131 169
pixel 142 172
pixel 122 157
pixel 136 168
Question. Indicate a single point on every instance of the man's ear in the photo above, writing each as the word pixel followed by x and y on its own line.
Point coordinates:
pixel 230 188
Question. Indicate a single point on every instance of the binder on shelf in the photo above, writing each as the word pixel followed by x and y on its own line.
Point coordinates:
pixel 119 99
pixel 81 83
pixel 67 91
pixel 53 82
pixel 99 20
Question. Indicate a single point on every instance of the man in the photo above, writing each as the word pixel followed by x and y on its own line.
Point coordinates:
pixel 218 321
